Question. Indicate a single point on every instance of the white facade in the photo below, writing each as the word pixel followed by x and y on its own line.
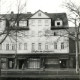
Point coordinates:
pixel 39 38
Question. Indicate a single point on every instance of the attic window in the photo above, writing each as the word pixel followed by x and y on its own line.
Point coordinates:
pixel 58 23
pixel 39 14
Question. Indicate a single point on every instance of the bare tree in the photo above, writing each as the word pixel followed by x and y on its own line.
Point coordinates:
pixel 12 27
pixel 74 17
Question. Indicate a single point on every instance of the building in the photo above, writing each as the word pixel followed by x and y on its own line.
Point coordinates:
pixel 36 43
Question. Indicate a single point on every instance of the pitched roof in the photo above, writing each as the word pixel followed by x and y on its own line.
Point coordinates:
pixel 37 12
pixel 61 16
pixel 53 16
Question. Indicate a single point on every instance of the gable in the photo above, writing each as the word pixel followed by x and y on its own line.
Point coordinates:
pixel 39 14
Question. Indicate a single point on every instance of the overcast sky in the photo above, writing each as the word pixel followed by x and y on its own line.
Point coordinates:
pixel 50 6
pixel 34 5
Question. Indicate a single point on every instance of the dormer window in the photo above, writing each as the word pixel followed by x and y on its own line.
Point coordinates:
pixel 39 14
pixel 58 23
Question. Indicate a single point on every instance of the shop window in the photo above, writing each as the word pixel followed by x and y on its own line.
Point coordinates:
pixel 3 63
pixel 10 63
pixel 52 63
pixel 34 63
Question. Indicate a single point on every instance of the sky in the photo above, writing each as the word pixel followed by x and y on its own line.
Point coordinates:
pixel 50 6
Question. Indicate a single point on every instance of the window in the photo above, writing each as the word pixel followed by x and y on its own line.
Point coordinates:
pixel 13 46
pixel 7 46
pixel 46 46
pixel 25 46
pixel 23 23
pixel 62 45
pixel 39 14
pixel 58 22
pixel 39 23
pixel 33 46
pixel 34 63
pixel 3 63
pixel 46 22
pixel 12 23
pixel 39 46
pixel 20 46
pixel 10 63
pixel 0 46
pixel 55 45
pixel 32 22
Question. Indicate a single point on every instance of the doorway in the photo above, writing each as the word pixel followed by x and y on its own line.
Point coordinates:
pixel 63 63
pixel 21 63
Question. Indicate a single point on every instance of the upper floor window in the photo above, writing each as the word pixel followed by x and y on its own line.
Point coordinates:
pixel 25 46
pixel 7 46
pixel 46 46
pixel 12 23
pixel 13 46
pixel 39 14
pixel 46 22
pixel 62 45
pixel 33 46
pixel 39 22
pixel 58 22
pixel 20 46
pixel 39 46
pixel 0 46
pixel 23 23
pixel 55 45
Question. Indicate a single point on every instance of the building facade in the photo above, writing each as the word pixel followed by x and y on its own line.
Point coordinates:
pixel 38 41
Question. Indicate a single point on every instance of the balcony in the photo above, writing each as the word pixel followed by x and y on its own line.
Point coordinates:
pixel 40 73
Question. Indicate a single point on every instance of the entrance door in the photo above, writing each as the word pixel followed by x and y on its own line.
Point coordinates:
pixel 21 63
pixel 63 63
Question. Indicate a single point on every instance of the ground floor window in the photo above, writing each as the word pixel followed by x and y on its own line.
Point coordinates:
pixel 34 63
pixel 3 63
pixel 10 63
pixel 63 63
pixel 52 63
